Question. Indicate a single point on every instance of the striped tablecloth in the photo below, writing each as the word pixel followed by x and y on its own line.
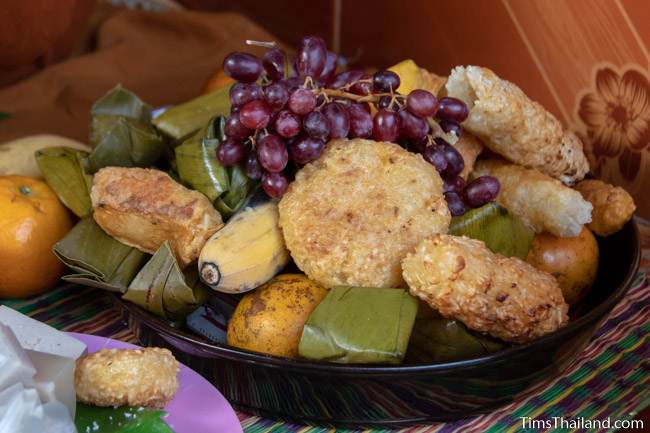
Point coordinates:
pixel 610 379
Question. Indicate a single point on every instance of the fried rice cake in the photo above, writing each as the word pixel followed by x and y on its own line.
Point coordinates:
pixel 540 201
pixel 143 208
pixel 350 217
pixel 613 206
pixel 516 127
pixel 127 377
pixel 504 297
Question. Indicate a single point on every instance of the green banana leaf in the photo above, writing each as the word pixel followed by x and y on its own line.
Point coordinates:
pixel 436 339
pixel 119 420
pixel 64 170
pixel 360 325
pixel 235 197
pixel 96 258
pixel 501 231
pixel 121 132
pixel 198 167
pixel 162 288
pixel 183 120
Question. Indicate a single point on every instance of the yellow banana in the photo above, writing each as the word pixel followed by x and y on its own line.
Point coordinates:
pixel 247 252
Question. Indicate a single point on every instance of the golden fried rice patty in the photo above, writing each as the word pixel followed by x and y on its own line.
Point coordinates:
pixel 139 377
pixel 501 296
pixel 351 216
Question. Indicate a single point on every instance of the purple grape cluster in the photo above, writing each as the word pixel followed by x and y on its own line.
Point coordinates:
pixel 283 113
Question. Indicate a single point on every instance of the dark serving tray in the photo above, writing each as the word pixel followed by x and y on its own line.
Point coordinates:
pixel 396 396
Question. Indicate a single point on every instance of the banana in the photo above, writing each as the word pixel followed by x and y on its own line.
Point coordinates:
pixel 247 252
pixel 17 156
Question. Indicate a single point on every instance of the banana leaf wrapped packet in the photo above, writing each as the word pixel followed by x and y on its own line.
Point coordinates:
pixel 360 325
pixel 501 231
pixel 162 288
pixel 97 259
pixel 183 120
pixel 65 171
pixel 198 168
pixel 121 133
pixel 436 339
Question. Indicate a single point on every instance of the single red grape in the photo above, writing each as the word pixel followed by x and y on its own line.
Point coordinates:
pixel 235 129
pixel 310 57
pixel 385 81
pixel 455 162
pixel 331 62
pixel 413 127
pixel 230 152
pixel 360 121
pixel 362 87
pixel 316 125
pixel 453 184
pixel 252 166
pixel 255 114
pixel 481 191
pixel 273 62
pixel 339 119
pixel 276 95
pixel 287 124
pixel 243 67
pixel 455 204
pixel 421 103
pixel 243 93
pixel 385 126
pixel 435 156
pixel 274 184
pixel 302 101
pixel 272 153
pixel 306 149
pixel 452 109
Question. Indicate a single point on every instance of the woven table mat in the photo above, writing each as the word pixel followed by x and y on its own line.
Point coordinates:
pixel 611 377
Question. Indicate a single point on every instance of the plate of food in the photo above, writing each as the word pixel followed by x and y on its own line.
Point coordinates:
pixel 70 382
pixel 348 248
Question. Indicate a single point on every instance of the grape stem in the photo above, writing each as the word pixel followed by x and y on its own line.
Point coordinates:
pixel 437 131
pixel 264 44
pixel 335 93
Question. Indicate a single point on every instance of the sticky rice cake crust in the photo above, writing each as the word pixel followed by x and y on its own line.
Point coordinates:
pixel 352 215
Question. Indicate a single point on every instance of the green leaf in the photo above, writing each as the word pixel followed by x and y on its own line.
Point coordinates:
pixel 360 325
pixel 183 120
pixel 4 116
pixel 121 132
pixel 198 167
pixel 64 171
pixel 438 339
pixel 97 259
pixel 162 288
pixel 120 420
pixel 501 231
pixel 234 198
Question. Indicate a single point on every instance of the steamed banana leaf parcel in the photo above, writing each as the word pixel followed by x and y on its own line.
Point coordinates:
pixel 121 133
pixel 437 339
pixel 162 288
pixel 97 259
pixel 65 170
pixel 360 325
pixel 198 167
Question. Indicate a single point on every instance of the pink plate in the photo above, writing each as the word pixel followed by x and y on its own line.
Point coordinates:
pixel 197 408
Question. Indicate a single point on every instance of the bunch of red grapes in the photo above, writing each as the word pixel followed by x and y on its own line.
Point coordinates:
pixel 283 113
